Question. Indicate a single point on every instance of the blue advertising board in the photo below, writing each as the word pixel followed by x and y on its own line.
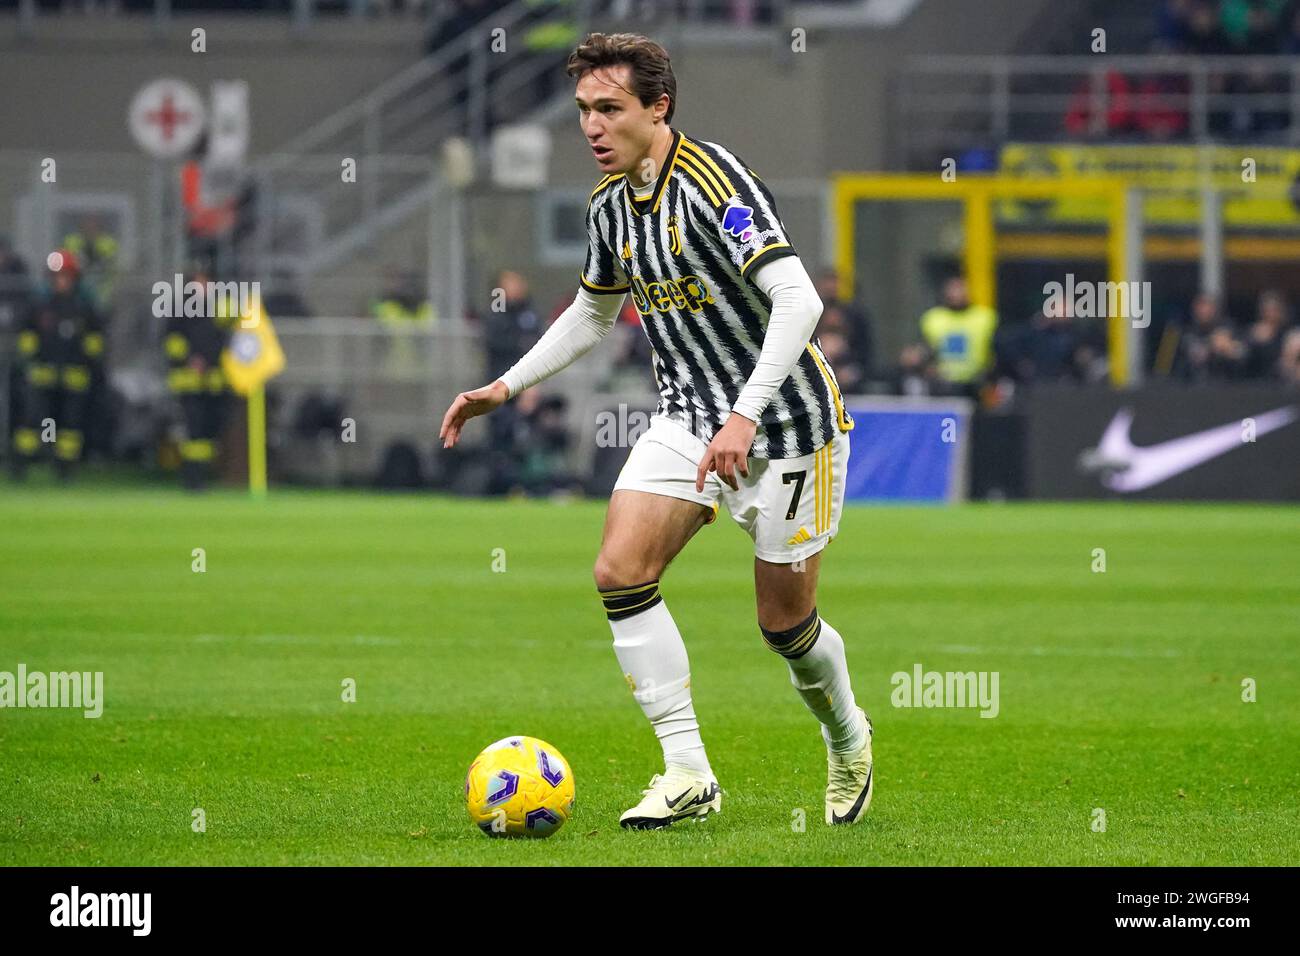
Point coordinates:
pixel 908 449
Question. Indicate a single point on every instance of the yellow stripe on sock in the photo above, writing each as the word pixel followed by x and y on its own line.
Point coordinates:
pixel 650 600
pixel 622 592
pixel 804 640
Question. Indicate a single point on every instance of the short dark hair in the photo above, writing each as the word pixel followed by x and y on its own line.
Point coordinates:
pixel 652 72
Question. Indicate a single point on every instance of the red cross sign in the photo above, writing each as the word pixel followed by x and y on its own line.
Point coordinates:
pixel 166 118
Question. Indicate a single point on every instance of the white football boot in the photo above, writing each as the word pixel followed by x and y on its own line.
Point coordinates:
pixel 849 783
pixel 676 794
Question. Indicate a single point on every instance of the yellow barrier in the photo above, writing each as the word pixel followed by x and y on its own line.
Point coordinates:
pixel 977 194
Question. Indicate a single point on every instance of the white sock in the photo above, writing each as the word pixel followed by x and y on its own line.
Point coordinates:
pixel 820 673
pixel 653 657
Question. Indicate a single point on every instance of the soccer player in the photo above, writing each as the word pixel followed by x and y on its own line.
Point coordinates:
pixel 749 413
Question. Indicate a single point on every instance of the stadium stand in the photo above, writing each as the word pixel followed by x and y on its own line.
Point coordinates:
pixel 397 266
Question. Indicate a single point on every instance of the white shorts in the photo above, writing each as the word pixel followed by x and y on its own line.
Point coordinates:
pixel 790 506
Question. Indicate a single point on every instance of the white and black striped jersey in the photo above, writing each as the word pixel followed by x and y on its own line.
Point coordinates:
pixel 685 252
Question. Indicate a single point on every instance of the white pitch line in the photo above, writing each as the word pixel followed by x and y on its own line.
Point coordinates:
pixel 366 639
pixel 1058 651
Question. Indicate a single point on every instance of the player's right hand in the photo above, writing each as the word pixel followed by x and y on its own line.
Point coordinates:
pixel 469 405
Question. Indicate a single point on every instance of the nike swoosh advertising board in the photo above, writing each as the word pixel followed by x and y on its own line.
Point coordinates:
pixel 1164 442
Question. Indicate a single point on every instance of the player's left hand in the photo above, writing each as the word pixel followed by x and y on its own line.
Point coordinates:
pixel 728 452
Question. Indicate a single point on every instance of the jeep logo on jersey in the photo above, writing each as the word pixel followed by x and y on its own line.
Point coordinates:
pixel 738 221
pixel 688 292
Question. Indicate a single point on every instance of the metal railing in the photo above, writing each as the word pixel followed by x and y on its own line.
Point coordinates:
pixel 478 80
pixel 445 92
pixel 393 135
pixel 946 104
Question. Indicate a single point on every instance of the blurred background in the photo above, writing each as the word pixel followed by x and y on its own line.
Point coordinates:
pixel 406 183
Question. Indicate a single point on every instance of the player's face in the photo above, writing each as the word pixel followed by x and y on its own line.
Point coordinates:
pixel 618 128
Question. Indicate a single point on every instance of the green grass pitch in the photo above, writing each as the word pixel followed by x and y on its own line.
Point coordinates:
pixel 1119 690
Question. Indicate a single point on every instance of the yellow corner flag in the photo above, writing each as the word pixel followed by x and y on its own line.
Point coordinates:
pixel 252 357
pixel 254 354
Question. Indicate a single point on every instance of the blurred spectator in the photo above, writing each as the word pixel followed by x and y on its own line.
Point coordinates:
pixel 550 32
pixel 850 321
pixel 1266 335
pixel 405 312
pixel 1251 25
pixel 1161 105
pixel 1205 35
pixel 97 252
pixel 531 456
pixel 1209 349
pixel 1117 104
pixel 1157 105
pixel 1288 365
pixel 1052 347
pixel 60 343
pixel 1248 27
pixel 15 297
pixel 1041 350
pixel 196 380
pixel 1091 353
pixel 402 304
pixel 1289 41
pixel 848 372
pixel 543 443
pixel 1173 24
pixel 511 326
pixel 915 373
pixel 15 288
pixel 207 224
pixel 960 335
pixel 1152 105
pixel 1249 116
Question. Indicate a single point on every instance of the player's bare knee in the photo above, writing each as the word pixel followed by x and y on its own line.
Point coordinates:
pixel 604 572
pixel 782 619
pixel 780 609
pixel 625 593
pixel 612 571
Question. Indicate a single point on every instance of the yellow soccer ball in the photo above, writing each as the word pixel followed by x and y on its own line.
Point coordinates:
pixel 519 786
